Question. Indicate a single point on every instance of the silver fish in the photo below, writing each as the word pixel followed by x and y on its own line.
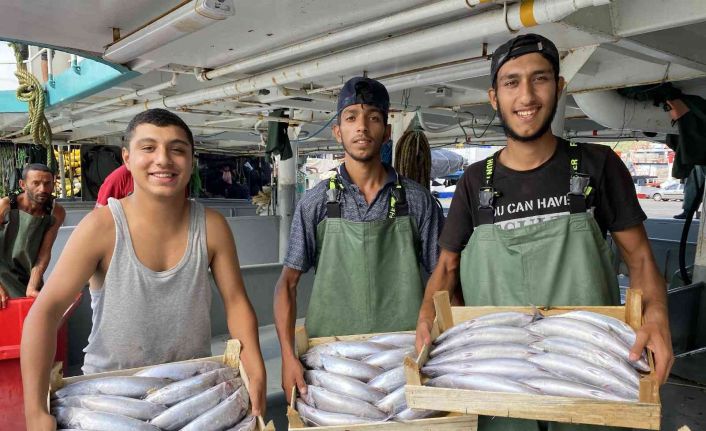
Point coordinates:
pixel 589 352
pixel 138 409
pixel 123 386
pixel 485 351
pixel 247 424
pixel 181 370
pixel 618 327
pixel 480 382
pixel 566 388
pixel 351 349
pixel 344 366
pixel 226 414
pixel 509 318
pixel 394 403
pixel 329 401
pixel 186 411
pixel 485 335
pixel 585 372
pixel 572 328
pixel 183 389
pixel 414 414
pixel 390 358
pixel 389 380
pixel 75 417
pixel 315 417
pixel 512 368
pixel 400 339
pixel 343 385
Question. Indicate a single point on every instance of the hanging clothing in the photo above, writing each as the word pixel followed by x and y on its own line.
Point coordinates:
pixel 21 235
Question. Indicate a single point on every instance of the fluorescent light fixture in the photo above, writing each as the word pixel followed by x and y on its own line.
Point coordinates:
pixel 189 18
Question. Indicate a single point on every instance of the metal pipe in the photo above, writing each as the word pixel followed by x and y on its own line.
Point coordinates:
pixel 351 35
pixel 50 68
pixel 35 55
pixel 427 40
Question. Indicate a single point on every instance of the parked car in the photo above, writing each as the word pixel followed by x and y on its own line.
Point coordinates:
pixel 671 192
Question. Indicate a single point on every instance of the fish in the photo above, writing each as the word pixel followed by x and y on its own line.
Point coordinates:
pixel 315 417
pixel 589 352
pixel 399 339
pixel 512 368
pixel 226 414
pixel 123 386
pixel 566 388
pixel 76 417
pixel 484 335
pixel 389 380
pixel 247 424
pixel 509 318
pixel 577 329
pixel 481 382
pixel 323 399
pixel 390 358
pixel 351 349
pixel 618 327
pixel 344 366
pixel 393 403
pixel 343 385
pixel 584 372
pixel 485 351
pixel 181 370
pixel 183 389
pixel 414 414
pixel 138 409
pixel 189 409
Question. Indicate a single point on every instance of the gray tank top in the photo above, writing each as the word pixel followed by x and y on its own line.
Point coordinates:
pixel 142 317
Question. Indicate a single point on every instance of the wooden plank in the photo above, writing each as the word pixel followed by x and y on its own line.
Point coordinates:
pixel 231 358
pixel 461 314
pixel 442 305
pixel 633 308
pixel 539 407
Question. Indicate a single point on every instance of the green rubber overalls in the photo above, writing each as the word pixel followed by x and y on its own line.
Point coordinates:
pixel 565 261
pixel 368 277
pixel 21 235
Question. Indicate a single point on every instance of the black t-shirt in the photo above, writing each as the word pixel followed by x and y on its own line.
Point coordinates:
pixel 540 194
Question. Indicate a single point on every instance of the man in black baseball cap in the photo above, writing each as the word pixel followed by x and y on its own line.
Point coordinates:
pixel 367 231
pixel 528 224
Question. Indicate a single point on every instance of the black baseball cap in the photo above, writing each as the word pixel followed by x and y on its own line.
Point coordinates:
pixel 362 90
pixel 521 45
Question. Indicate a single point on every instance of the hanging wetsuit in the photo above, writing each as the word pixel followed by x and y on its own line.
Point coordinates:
pixel 21 235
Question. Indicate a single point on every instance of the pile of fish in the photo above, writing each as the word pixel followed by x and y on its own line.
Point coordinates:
pixel 575 354
pixel 201 396
pixel 355 382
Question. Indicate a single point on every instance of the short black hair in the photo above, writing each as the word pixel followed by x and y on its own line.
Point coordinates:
pixel 41 167
pixel 157 117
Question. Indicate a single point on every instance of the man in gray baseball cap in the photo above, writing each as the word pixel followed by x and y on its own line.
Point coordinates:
pixel 367 231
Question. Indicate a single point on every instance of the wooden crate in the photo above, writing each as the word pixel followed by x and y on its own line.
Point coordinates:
pixel 642 414
pixel 231 358
pixel 451 422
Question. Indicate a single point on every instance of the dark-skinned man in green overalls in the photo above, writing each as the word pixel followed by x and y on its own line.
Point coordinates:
pixel 528 224
pixel 29 223
pixel 367 231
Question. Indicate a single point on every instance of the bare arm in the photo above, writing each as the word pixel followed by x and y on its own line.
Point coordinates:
pixel 81 256
pixel 240 316
pixel 44 256
pixel 635 249
pixel 285 309
pixel 444 278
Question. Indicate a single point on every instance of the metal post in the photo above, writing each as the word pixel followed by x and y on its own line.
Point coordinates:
pixel 558 121
pixel 286 191
pixel 62 190
pixel 700 276
pixel 400 122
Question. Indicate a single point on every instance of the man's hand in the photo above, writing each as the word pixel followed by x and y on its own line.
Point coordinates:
pixel 292 375
pixel 423 334
pixel 4 296
pixel 32 291
pixel 679 108
pixel 40 422
pixel 654 334
pixel 258 399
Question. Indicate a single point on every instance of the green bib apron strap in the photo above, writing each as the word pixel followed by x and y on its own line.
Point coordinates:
pixel 565 261
pixel 21 235
pixel 368 277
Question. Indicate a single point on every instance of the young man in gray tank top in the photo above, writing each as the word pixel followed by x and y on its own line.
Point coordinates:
pixel 149 255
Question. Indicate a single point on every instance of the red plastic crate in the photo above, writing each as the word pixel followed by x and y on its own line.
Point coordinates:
pixel 11 322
